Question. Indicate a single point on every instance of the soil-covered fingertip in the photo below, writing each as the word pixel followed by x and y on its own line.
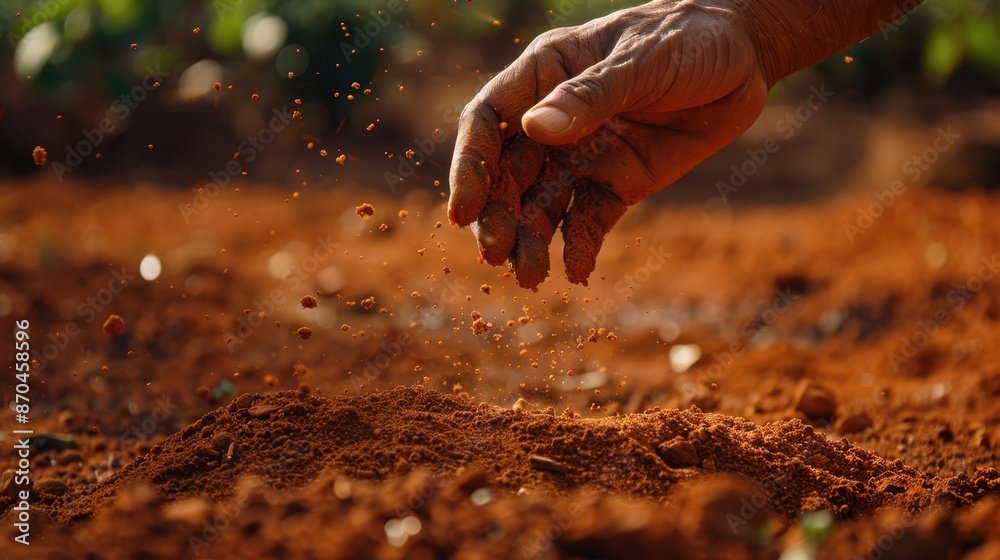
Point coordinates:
pixel 496 234
pixel 530 261
pixel 520 163
pixel 470 189
pixel 593 213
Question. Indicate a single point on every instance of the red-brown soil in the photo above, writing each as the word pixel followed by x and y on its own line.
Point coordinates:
pixel 857 377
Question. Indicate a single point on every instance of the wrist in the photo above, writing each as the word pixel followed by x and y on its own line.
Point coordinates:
pixel 776 29
pixel 790 35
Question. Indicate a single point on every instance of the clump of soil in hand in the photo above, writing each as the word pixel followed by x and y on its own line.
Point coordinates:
pixel 308 302
pixel 114 325
pixel 365 211
pixel 304 333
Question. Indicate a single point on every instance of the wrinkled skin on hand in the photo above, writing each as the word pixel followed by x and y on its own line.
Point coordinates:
pixel 645 95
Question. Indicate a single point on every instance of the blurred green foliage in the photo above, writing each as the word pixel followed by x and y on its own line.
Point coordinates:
pixel 939 44
pixel 950 34
pixel 84 54
pixel 962 32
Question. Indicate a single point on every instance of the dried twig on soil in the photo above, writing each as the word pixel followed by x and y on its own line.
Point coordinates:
pixel 546 464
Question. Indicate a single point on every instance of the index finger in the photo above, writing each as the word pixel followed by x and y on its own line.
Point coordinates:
pixel 477 152
pixel 477 148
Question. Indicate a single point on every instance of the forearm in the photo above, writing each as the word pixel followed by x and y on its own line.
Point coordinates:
pixel 794 34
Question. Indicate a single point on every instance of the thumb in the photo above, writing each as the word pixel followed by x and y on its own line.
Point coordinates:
pixel 578 106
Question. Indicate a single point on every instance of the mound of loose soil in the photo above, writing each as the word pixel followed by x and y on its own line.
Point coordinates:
pixel 730 473
pixel 290 438
pixel 194 433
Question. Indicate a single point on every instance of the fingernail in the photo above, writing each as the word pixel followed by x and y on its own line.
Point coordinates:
pixel 552 119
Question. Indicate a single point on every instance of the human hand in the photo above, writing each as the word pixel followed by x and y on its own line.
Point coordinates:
pixel 592 119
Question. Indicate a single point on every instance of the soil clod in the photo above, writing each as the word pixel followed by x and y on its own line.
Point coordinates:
pixel 40 155
pixel 365 210
pixel 815 401
pixel 114 325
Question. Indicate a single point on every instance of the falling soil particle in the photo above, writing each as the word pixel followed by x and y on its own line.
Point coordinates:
pixel 40 155
pixel 308 302
pixel 303 332
pixel 365 210
pixel 114 325
pixel 480 327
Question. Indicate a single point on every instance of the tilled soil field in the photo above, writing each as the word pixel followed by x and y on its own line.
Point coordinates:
pixel 295 375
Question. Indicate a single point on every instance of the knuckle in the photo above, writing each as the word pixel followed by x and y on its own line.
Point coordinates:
pixel 546 40
pixel 469 111
pixel 587 89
